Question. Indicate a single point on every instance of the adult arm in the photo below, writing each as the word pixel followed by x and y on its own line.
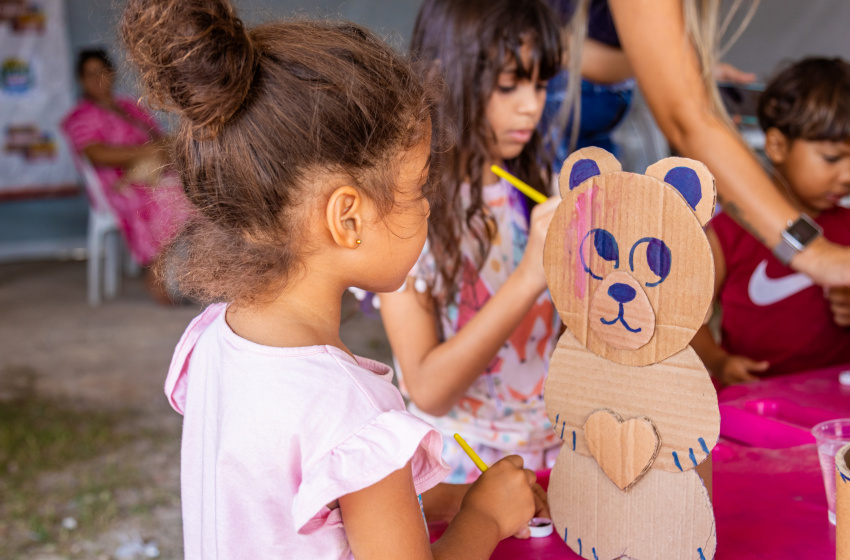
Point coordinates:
pixel 653 36
pixel 438 374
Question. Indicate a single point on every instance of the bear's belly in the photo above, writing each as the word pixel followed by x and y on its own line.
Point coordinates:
pixel 676 394
pixel 601 522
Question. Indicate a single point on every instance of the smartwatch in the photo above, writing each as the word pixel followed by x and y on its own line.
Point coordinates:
pixel 795 237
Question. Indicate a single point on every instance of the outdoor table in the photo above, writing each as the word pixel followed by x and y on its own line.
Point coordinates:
pixel 768 494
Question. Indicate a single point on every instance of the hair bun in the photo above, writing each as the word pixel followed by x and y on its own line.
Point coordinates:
pixel 195 58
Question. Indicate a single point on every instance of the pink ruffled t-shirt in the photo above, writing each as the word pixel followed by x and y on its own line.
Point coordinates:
pixel 272 436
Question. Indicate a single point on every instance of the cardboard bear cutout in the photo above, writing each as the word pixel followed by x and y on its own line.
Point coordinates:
pixel 631 274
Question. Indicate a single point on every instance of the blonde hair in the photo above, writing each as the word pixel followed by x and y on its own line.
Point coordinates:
pixel 705 30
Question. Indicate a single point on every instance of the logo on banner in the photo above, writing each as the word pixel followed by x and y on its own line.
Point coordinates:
pixel 23 16
pixel 16 76
pixel 29 141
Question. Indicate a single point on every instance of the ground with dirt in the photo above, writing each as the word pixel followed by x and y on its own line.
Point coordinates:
pixel 89 447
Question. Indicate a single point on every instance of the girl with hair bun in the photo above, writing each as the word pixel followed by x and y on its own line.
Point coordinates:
pixel 305 149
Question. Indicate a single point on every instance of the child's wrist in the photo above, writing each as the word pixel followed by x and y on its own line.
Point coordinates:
pixel 717 364
pixel 486 525
pixel 529 282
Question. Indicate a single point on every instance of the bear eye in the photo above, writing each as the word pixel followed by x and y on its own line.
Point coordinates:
pixel 658 258
pixel 605 246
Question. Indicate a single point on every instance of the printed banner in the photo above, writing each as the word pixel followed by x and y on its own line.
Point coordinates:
pixel 36 91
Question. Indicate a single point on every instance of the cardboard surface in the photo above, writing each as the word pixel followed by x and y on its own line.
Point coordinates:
pixel 842 504
pixel 641 316
pixel 665 516
pixel 676 394
pixel 624 449
pixel 629 224
pixel 583 163
pixel 631 274
pixel 704 210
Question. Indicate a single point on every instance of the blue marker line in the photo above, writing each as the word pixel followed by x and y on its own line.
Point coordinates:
pixel 676 460
pixel 701 555
pixel 595 557
pixel 692 456
pixel 704 446
pixel 579 547
pixel 574 440
pixel 564 425
pixel 556 418
pixel 843 477
pixel 565 534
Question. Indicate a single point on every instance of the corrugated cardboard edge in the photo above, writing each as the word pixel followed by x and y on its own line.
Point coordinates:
pixel 842 504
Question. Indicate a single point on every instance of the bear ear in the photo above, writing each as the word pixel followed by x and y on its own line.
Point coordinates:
pixel 584 164
pixel 692 179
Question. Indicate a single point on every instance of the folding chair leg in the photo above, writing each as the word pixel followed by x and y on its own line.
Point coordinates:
pixel 93 264
pixel 131 267
pixel 112 265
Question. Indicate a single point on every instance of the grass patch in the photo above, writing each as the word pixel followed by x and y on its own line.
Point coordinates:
pixel 58 462
pixel 38 436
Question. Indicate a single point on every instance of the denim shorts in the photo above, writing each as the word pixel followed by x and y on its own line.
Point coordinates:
pixel 603 107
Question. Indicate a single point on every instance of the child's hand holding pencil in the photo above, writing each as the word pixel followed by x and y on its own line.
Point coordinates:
pixel 508 491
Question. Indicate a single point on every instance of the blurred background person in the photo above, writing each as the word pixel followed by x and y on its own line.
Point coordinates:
pixel 127 148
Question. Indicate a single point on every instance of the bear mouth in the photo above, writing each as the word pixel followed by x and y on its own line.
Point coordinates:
pixel 620 319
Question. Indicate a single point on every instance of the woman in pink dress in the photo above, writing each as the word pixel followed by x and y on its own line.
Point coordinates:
pixel 127 149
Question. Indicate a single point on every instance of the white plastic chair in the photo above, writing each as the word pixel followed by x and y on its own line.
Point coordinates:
pixel 104 239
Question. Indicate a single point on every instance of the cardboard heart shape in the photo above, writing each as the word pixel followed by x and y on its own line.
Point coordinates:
pixel 625 450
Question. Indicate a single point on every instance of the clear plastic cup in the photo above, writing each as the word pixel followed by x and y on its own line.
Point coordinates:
pixel 830 436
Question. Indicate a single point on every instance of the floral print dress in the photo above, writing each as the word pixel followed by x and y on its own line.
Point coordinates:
pixel 502 413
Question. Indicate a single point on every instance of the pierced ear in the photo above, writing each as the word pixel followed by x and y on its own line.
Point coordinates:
pixel 775 146
pixel 692 179
pixel 584 164
pixel 344 216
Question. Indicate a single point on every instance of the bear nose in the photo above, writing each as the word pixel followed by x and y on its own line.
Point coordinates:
pixel 622 293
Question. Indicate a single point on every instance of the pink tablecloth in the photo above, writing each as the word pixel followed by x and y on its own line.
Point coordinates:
pixel 769 503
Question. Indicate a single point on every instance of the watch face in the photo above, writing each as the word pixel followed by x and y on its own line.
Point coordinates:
pixel 803 231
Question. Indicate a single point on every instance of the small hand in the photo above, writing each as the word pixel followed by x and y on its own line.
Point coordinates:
pixel 541 509
pixel 839 304
pixel 736 369
pixel 541 501
pixel 503 493
pixel 532 260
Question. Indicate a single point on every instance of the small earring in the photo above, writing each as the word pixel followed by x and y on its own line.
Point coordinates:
pixel 358 242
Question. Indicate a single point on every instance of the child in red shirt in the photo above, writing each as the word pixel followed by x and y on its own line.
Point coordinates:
pixel 775 320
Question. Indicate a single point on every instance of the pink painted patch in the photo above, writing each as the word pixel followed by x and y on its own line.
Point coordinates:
pixel 578 228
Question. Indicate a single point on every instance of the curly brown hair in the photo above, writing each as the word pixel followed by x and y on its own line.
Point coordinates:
pixel 809 100
pixel 262 112
pixel 464 44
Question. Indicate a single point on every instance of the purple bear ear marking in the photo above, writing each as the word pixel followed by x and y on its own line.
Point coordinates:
pixel 582 170
pixel 686 181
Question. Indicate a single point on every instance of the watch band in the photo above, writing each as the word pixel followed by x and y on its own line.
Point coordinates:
pixel 795 238
pixel 786 248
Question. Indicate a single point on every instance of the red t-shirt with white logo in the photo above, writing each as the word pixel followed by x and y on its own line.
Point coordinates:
pixel 771 312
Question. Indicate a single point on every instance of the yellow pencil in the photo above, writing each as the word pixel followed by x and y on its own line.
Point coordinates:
pixel 472 454
pixel 525 189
